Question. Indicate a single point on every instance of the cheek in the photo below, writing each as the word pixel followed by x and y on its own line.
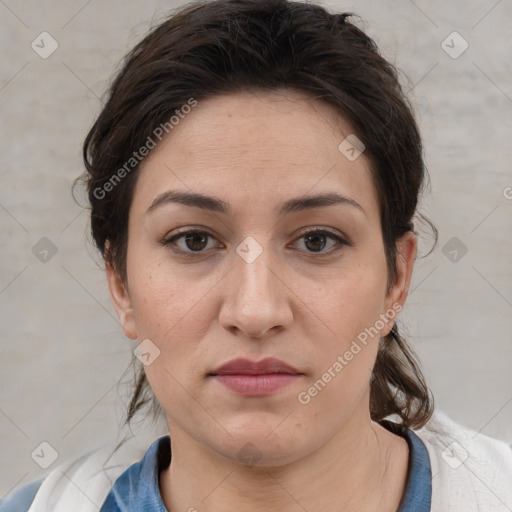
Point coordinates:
pixel 163 298
pixel 345 354
pixel 349 308
pixel 350 303
pixel 174 312
pixel 170 313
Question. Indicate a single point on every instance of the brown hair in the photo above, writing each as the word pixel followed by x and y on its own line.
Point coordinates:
pixel 223 46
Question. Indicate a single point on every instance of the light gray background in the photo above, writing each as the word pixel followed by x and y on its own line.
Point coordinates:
pixel 63 352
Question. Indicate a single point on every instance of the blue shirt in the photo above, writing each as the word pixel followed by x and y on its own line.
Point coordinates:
pixel 137 489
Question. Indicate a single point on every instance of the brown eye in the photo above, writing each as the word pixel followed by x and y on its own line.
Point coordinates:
pixel 190 242
pixel 196 241
pixel 316 241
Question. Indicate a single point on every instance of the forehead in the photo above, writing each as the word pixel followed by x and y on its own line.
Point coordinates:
pixel 268 145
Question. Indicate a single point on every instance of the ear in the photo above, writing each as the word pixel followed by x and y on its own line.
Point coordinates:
pixel 122 302
pixel 397 294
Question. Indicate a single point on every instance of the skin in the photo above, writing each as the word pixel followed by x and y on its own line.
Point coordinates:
pixel 288 303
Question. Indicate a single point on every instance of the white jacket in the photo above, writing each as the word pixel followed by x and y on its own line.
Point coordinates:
pixel 470 473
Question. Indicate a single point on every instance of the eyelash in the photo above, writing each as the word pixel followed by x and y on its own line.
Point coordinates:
pixel 170 241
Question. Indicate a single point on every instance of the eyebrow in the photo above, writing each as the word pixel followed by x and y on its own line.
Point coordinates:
pixel 215 204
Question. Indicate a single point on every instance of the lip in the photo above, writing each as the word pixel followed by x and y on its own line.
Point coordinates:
pixel 256 385
pixel 242 366
pixel 255 378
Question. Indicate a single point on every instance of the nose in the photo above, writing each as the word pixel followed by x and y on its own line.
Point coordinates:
pixel 258 301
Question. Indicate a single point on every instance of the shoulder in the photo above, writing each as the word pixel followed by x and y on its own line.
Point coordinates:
pixel 80 484
pixel 470 471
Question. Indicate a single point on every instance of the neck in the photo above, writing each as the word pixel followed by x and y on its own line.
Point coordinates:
pixel 361 467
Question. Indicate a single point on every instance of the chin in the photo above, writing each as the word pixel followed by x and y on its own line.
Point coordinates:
pixel 262 444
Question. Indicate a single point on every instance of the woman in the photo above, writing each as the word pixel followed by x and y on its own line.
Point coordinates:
pixel 253 180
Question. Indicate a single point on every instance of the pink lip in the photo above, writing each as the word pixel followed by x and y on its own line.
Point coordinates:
pixel 255 378
pixel 248 367
pixel 256 385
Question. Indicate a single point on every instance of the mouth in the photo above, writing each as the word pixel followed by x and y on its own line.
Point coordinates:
pixel 255 378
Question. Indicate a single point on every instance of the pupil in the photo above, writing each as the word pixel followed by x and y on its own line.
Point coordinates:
pixel 316 238
pixel 194 237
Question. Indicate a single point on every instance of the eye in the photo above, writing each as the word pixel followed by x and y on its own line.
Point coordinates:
pixel 317 240
pixel 189 242
pixel 193 242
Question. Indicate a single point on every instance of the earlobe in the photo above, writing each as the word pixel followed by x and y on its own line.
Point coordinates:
pixel 122 302
pixel 406 255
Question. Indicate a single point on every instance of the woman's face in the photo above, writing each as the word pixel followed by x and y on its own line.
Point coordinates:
pixel 255 282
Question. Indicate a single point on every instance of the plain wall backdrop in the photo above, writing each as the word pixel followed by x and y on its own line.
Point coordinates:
pixel 64 375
